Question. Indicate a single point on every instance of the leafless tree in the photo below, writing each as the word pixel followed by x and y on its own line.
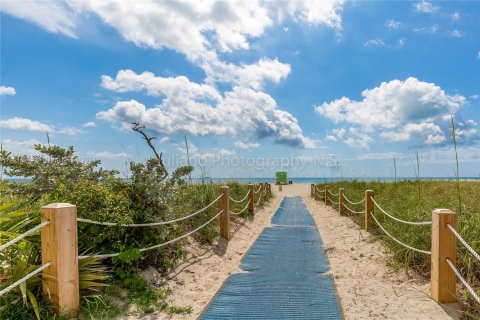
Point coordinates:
pixel 140 129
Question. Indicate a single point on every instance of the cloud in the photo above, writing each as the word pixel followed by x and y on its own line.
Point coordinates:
pixel 455 16
pixel 380 156
pixel 326 12
pixel 432 29
pixel 108 155
pixel 478 55
pixel 455 34
pixel 352 137
pixel 53 16
pixel 89 124
pixel 466 154
pixel 129 81
pixel 392 24
pixel 25 147
pixel 71 131
pixel 196 29
pixel 396 111
pixel 248 75
pixel 17 123
pixel 7 91
pixel 199 110
pixel 425 6
pixel 374 43
pixel 246 145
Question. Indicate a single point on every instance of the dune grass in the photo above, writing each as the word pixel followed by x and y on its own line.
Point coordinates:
pixel 415 201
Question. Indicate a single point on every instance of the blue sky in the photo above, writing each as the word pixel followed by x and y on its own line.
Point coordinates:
pixel 321 88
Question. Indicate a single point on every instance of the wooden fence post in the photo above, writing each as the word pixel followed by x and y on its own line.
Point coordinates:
pixel 251 197
pixel 341 207
pixel 369 207
pixel 60 247
pixel 444 246
pixel 260 193
pixel 327 202
pixel 225 215
pixel 312 191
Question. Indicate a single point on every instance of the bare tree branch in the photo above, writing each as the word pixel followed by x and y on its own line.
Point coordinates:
pixel 140 129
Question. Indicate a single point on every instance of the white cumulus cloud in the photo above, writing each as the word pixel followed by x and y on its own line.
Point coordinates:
pixel 425 6
pixel 7 91
pixel 18 123
pixel 201 110
pixel 397 111
pixel 392 24
pixel 53 16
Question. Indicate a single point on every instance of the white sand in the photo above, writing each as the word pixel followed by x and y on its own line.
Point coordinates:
pixel 367 288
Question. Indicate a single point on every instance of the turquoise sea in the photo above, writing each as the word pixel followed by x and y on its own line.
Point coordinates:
pixel 329 179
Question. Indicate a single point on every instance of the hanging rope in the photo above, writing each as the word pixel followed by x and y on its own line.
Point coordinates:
pixel 243 210
pixel 423 223
pixel 465 283
pixel 352 211
pixel 24 235
pixel 25 278
pixel 353 203
pixel 239 201
pixel 152 224
pixel 398 241
pixel 111 255
pixel 333 194
pixel 459 237
pixel 335 203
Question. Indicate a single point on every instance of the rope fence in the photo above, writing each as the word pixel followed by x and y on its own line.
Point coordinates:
pixel 422 223
pixel 353 203
pixel 331 201
pixel 398 241
pixel 466 245
pixel 152 224
pixel 240 201
pixel 242 211
pixel 444 249
pixel 61 243
pixel 352 211
pixel 111 255
pixel 464 282
pixel 25 278
pixel 24 235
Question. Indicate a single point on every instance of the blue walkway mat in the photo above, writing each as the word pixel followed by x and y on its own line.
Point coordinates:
pixel 285 274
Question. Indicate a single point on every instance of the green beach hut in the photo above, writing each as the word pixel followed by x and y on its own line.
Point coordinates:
pixel 281 177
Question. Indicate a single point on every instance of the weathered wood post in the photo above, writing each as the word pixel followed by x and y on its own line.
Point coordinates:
pixel 369 208
pixel 315 193
pixel 60 247
pixel 251 197
pixel 341 206
pixel 327 189
pixel 225 215
pixel 260 193
pixel 444 246
pixel 312 191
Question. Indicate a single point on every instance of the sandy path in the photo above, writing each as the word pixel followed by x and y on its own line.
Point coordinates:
pixel 367 288
pixel 196 280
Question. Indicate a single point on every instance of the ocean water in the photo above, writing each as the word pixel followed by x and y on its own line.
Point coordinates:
pixel 321 180
pixel 305 179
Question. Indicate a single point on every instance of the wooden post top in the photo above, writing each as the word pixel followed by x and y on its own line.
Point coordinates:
pixel 443 211
pixel 58 205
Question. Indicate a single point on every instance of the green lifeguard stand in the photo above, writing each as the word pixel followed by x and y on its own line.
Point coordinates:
pixel 281 177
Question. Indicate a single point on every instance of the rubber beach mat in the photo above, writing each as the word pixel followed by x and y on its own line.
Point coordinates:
pixel 285 274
